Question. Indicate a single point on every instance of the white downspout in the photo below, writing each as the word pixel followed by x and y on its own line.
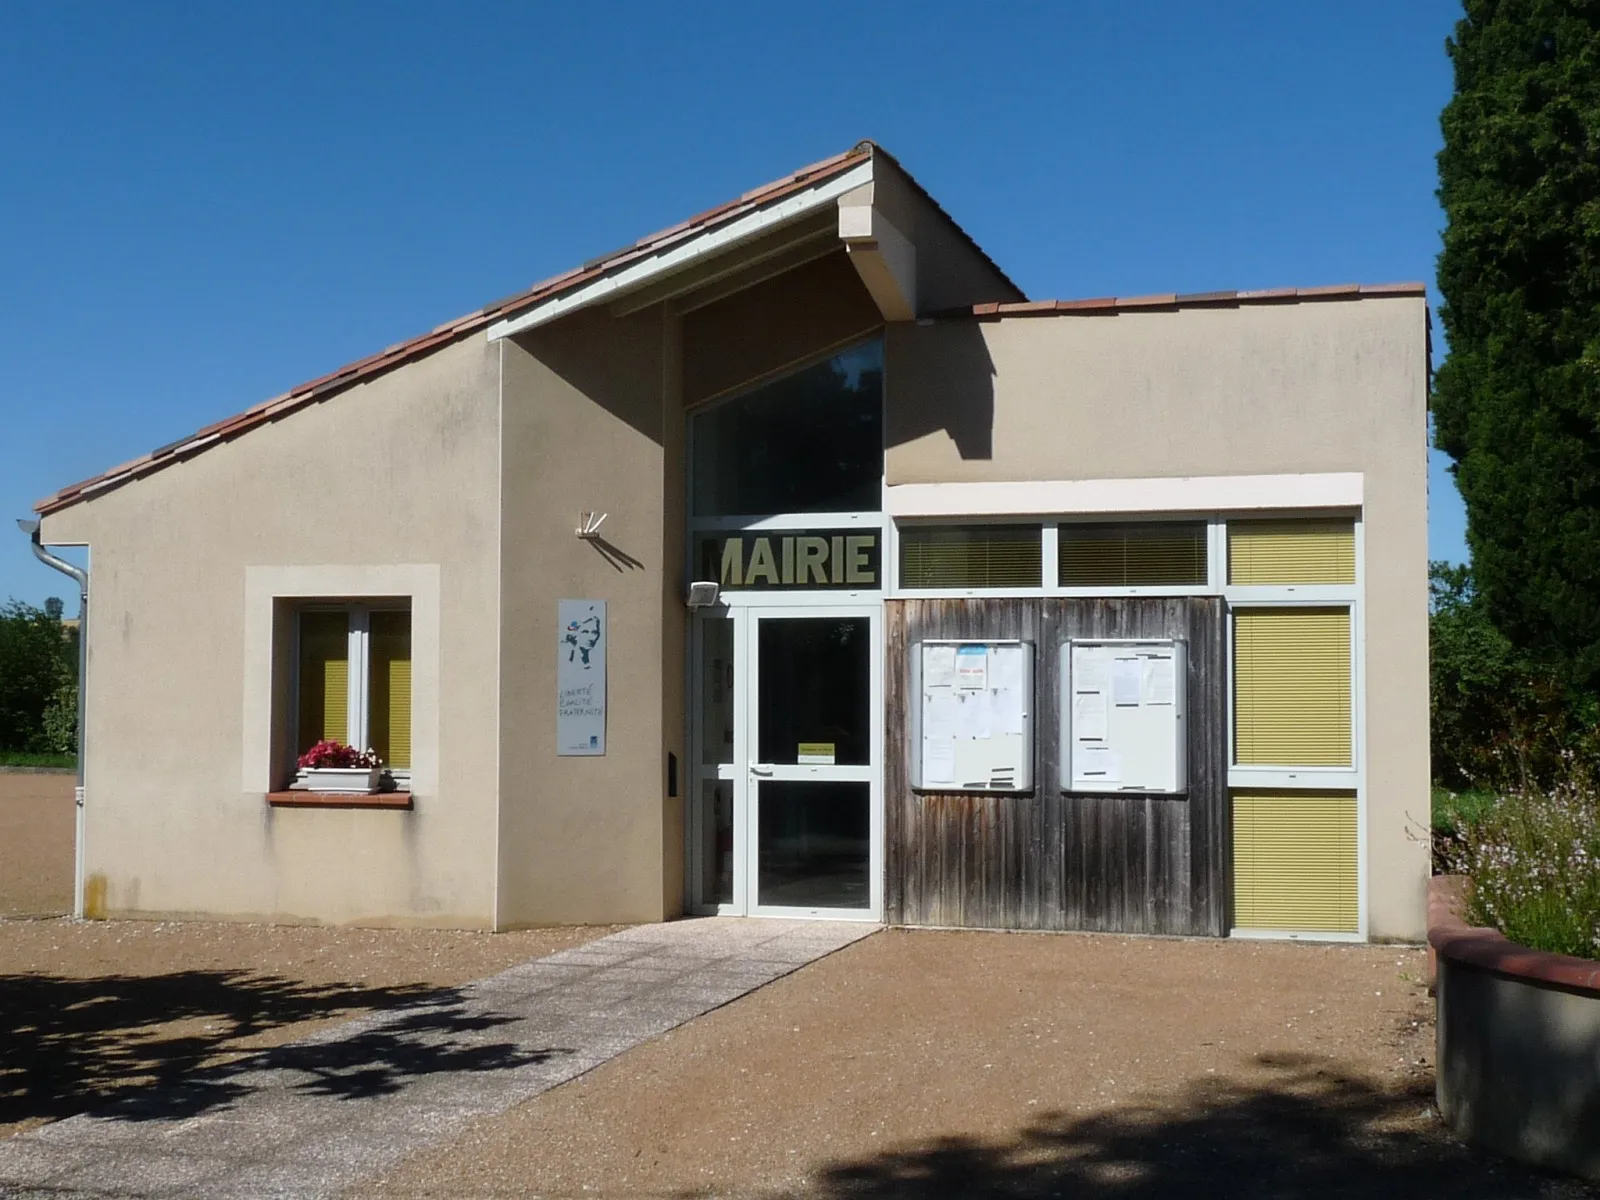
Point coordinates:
pixel 31 528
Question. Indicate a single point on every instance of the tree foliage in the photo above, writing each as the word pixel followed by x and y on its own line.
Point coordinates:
pixel 1517 403
pixel 38 672
pixel 1499 719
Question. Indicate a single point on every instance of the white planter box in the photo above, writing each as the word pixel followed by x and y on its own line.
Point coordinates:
pixel 358 781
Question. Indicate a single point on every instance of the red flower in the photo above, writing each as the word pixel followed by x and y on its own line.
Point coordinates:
pixel 329 753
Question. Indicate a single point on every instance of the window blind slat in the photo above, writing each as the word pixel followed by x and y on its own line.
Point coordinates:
pixel 1294 861
pixel 1132 555
pixel 971 556
pixel 1291 552
pixel 1292 687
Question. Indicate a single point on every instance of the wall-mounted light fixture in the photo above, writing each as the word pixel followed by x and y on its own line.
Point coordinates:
pixel 703 594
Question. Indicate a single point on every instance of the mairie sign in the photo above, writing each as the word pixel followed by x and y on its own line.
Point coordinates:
pixel 792 558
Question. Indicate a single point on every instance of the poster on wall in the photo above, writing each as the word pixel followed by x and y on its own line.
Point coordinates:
pixel 581 677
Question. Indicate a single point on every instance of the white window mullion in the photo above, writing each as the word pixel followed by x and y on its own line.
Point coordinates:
pixel 1049 560
pixel 357 694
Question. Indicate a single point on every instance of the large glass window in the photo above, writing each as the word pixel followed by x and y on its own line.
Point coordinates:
pixel 367 705
pixel 970 556
pixel 1291 682
pixel 809 442
pixel 1154 554
pixel 1291 552
pixel 1295 861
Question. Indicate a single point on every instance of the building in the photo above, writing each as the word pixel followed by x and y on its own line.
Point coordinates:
pixel 825 399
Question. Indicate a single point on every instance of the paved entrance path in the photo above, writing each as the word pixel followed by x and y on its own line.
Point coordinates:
pixel 312 1118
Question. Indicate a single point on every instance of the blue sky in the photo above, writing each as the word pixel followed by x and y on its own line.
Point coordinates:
pixel 207 204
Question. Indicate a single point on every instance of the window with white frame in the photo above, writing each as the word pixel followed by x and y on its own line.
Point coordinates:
pixel 971 556
pixel 353 679
pixel 1291 589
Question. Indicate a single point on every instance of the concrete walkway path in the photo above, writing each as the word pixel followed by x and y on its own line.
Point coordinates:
pixel 313 1117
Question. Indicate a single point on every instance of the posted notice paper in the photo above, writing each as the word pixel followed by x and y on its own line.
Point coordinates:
pixel 938 666
pixel 972 667
pixel 1160 681
pixel 1127 679
pixel 938 761
pixel 1089 716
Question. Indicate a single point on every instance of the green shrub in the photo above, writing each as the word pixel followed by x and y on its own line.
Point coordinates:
pixel 1533 858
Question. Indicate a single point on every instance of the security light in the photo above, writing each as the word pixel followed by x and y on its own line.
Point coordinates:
pixel 703 594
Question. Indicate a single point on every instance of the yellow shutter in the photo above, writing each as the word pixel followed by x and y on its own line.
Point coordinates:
pixel 1291 687
pixel 1294 861
pixel 991 556
pixel 389 667
pixel 1289 552
pixel 1138 555
pixel 324 678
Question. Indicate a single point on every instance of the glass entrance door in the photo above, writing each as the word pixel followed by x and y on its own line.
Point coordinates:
pixel 786 814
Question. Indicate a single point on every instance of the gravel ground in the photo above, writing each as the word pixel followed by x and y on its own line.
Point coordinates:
pixel 922 1064
pixel 35 843
pixel 90 1010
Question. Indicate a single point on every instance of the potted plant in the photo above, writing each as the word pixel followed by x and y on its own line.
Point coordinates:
pixel 331 766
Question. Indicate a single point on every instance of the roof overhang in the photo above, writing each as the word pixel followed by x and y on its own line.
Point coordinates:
pixel 692 250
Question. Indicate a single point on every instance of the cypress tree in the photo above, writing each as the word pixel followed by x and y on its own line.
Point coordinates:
pixel 1517 402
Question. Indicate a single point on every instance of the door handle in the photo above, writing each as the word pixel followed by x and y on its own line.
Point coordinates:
pixel 760 769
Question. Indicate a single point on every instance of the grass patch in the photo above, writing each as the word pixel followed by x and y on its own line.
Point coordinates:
pixel 1454 811
pixel 25 758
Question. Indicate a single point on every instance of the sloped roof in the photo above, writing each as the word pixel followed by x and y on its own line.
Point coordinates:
pixel 403 352
pixel 1173 300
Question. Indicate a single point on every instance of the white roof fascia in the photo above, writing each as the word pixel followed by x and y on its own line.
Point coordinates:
pixel 682 253
pixel 1196 493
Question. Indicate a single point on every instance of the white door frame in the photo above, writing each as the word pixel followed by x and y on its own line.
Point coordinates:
pixel 745 773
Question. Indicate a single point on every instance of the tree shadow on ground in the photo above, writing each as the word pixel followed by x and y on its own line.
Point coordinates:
pixel 166 1047
pixel 1307 1131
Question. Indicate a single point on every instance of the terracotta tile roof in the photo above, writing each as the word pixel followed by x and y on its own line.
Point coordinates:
pixel 1111 305
pixel 403 352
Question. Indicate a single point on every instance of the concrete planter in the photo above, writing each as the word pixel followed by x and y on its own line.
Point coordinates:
pixel 358 781
pixel 1518 1041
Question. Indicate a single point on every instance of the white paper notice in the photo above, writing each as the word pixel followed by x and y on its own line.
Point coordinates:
pixel 1126 681
pixel 1005 667
pixel 938 666
pixel 972 667
pixel 1006 710
pixel 1159 681
pixel 1089 671
pixel 941 714
pixel 938 761
pixel 1089 717
pixel 973 710
pixel 1097 765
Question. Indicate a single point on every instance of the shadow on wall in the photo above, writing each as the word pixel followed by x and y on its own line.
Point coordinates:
pixel 168 1047
pixel 940 378
pixel 1310 1132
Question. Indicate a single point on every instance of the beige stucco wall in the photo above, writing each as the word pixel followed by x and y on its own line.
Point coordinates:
pixel 1266 389
pixel 586 839
pixel 398 472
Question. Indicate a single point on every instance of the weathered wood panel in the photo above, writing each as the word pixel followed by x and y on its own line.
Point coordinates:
pixel 1048 860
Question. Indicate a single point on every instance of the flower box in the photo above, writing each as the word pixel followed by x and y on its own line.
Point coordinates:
pixel 359 781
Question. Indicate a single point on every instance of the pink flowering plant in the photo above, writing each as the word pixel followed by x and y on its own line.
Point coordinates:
pixel 329 753
pixel 1533 862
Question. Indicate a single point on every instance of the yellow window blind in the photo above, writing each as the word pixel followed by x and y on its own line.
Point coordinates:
pixel 1291 687
pixel 987 556
pixel 324 678
pixel 1294 861
pixel 1290 552
pixel 389 668
pixel 1138 555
